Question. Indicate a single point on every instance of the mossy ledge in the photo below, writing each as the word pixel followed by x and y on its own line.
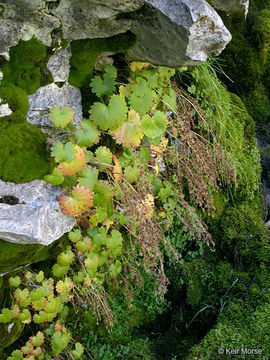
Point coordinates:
pixel 23 155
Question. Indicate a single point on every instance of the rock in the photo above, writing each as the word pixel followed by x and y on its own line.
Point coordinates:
pixel 103 59
pixel 59 65
pixel 232 7
pixel 30 213
pixel 169 32
pixel 177 32
pixel 24 19
pixel 4 109
pixel 51 95
pixel 82 19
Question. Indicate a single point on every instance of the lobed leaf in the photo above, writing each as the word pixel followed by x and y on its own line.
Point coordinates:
pixel 130 133
pixel 155 126
pixel 88 177
pixel 81 199
pixel 111 116
pixel 76 165
pixel 88 135
pixel 61 117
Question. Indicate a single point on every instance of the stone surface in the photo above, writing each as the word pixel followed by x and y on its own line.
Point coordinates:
pixel 232 7
pixel 23 19
pixel 51 95
pixel 177 32
pixel 169 32
pixel 102 60
pixel 82 19
pixel 34 216
pixel 58 65
pixel 4 109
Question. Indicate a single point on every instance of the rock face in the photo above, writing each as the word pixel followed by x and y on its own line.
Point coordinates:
pixel 24 19
pixel 30 213
pixel 169 32
pixel 51 95
pixel 232 7
pixel 173 33
pixel 59 65
pixel 82 19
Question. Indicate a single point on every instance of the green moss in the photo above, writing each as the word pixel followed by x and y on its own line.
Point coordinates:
pixel 15 255
pixel 238 327
pixel 23 156
pixel 239 111
pixel 258 103
pixel 260 32
pixel 17 101
pixel 27 66
pixel 85 52
pixel 7 338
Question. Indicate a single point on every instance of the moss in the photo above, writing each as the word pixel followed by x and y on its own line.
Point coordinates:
pixel 7 338
pixel 238 327
pixel 239 111
pixel 258 103
pixel 15 255
pixel 27 66
pixel 17 101
pixel 260 31
pixel 242 235
pixel 23 155
pixel 234 127
pixel 85 52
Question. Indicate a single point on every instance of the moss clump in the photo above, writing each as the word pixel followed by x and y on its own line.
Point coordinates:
pixel 15 255
pixel 85 52
pixel 7 338
pixel 23 156
pixel 239 112
pixel 27 66
pixel 238 327
pixel 17 101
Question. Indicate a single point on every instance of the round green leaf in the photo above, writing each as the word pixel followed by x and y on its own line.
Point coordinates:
pixel 155 126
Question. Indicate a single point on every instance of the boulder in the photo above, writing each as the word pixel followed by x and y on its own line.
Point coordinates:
pixel 30 213
pixel 51 95
pixel 169 32
pixel 177 32
pixel 24 19
pixel 84 19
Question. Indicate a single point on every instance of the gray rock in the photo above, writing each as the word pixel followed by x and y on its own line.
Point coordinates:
pixel 82 19
pixel 58 65
pixel 24 19
pixel 177 32
pixel 169 32
pixel 37 218
pixel 232 7
pixel 4 109
pixel 102 60
pixel 49 96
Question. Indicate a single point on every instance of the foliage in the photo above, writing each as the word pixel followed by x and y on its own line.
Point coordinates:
pixel 84 54
pixel 233 126
pixel 149 158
